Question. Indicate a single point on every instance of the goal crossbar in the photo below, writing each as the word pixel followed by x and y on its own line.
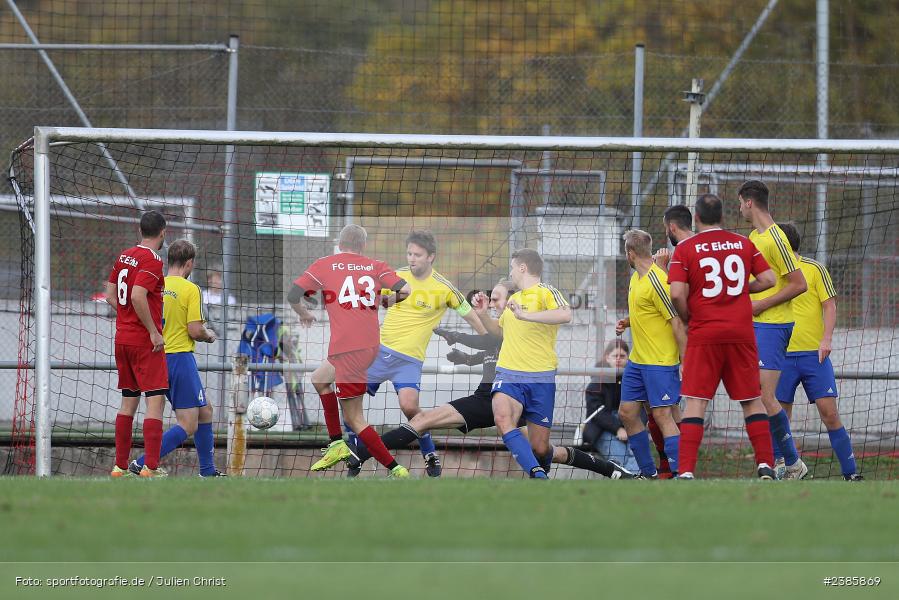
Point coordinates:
pixel 45 135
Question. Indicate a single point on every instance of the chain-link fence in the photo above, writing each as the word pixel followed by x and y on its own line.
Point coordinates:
pixel 349 90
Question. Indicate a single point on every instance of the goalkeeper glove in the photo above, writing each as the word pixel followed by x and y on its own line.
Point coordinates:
pixel 451 337
pixel 457 357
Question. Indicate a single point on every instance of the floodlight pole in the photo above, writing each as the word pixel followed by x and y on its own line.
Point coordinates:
pixel 718 85
pixel 229 214
pixel 546 164
pixel 696 98
pixel 822 80
pixel 637 157
pixel 42 317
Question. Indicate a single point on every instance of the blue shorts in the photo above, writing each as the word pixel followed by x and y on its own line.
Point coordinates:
pixel 816 378
pixel 185 387
pixel 660 386
pixel 535 391
pixel 772 340
pixel 399 369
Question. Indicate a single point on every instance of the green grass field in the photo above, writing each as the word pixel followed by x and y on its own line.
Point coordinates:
pixel 496 536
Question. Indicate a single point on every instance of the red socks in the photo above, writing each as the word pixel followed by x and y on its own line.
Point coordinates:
pixel 376 446
pixel 760 437
pixel 332 414
pixel 123 426
pixel 152 442
pixel 691 432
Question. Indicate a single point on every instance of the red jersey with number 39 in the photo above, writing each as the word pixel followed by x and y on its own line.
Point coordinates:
pixel 136 266
pixel 716 264
pixel 351 285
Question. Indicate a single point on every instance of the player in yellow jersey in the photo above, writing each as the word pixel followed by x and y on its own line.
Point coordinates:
pixel 408 327
pixel 525 381
pixel 651 374
pixel 773 316
pixel 808 355
pixel 183 326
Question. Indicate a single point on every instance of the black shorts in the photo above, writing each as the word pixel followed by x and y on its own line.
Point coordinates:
pixel 477 411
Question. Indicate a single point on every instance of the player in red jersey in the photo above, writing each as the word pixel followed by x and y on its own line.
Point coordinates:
pixel 351 285
pixel 710 287
pixel 134 288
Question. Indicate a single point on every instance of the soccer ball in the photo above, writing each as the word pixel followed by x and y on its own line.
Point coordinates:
pixel 262 412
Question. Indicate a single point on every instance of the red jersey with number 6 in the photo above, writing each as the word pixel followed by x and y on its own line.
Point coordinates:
pixel 716 264
pixel 136 266
pixel 351 285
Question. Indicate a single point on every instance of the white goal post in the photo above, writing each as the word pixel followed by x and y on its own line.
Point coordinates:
pixel 45 137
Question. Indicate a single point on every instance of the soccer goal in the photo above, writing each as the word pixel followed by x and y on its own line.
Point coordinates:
pixel 262 206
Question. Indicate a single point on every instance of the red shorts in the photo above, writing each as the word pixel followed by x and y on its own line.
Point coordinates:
pixel 141 369
pixel 351 371
pixel 706 365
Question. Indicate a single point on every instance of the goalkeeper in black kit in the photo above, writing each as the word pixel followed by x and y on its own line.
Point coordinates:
pixel 476 411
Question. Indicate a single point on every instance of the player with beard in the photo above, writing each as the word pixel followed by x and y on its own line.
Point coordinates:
pixel 407 329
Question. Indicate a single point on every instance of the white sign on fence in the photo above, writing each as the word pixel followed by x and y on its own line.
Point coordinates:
pixel 293 203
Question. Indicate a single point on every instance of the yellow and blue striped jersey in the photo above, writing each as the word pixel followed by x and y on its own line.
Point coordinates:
pixel 809 327
pixel 773 245
pixel 409 324
pixel 527 346
pixel 181 304
pixel 650 310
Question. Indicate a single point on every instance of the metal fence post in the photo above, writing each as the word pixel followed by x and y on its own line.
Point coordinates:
pixel 637 157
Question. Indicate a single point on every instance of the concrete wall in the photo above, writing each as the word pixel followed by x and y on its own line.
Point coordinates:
pixel 295 462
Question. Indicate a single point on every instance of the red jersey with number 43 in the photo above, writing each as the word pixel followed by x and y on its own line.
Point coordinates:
pixel 136 266
pixel 716 264
pixel 351 285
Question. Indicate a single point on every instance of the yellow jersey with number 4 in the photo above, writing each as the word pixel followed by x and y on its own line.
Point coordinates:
pixel 181 304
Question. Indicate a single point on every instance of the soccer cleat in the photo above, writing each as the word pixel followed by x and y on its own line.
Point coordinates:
pixel 642 477
pixel 118 471
pixel 432 465
pixel 353 463
pixel 780 468
pixel 333 454
pixel 399 472
pixel 688 476
pixel 853 477
pixel 796 471
pixel 538 473
pixel 149 473
pixel 216 473
pixel 620 472
pixel 135 468
pixel 353 467
pixel 766 473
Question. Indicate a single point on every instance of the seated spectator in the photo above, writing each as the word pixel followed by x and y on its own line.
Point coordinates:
pixel 212 295
pixel 604 432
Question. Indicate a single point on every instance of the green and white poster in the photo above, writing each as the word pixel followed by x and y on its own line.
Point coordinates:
pixel 293 204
